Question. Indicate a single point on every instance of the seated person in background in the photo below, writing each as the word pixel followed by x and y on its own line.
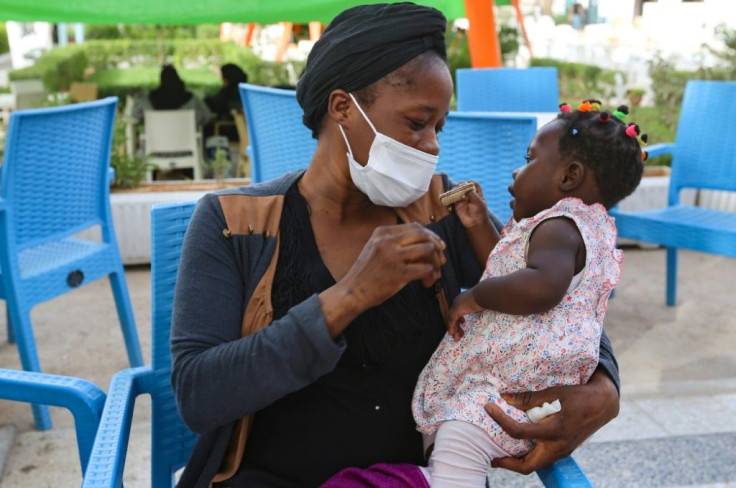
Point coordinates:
pixel 171 94
pixel 225 101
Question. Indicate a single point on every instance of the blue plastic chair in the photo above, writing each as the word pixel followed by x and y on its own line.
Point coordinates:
pixel 54 182
pixel 171 440
pixel 507 89
pixel 279 142
pixel 82 398
pixel 703 157
pixel 486 148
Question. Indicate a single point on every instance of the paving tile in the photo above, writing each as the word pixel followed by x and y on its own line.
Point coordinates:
pixel 677 461
pixel 687 415
pixel 632 423
pixel 7 436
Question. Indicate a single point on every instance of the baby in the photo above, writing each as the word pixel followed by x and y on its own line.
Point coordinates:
pixel 535 318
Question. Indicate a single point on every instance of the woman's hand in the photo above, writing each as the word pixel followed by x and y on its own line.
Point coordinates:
pixel 585 409
pixel 392 257
pixel 464 304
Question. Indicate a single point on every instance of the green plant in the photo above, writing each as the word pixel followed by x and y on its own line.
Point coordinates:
pixel 579 81
pixel 4 45
pixel 219 164
pixel 508 38
pixel 130 169
pixel 727 55
pixel 458 53
pixel 57 68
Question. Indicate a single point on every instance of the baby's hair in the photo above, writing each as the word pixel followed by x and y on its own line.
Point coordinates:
pixel 606 144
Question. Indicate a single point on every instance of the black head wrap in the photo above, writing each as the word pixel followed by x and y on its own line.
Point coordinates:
pixel 362 45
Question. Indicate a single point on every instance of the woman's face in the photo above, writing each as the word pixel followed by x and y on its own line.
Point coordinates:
pixel 411 109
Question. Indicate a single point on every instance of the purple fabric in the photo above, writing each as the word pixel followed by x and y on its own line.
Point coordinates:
pixel 380 475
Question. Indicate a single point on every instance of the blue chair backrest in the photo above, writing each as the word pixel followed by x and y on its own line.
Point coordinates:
pixel 46 176
pixel 507 89
pixel 172 441
pixel 280 143
pixel 704 155
pixel 486 148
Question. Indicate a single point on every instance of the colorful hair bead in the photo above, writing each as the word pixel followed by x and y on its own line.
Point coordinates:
pixel 574 131
pixel 604 116
pixel 595 105
pixel 631 131
pixel 621 113
pixel 565 107
pixel 644 156
pixel 585 106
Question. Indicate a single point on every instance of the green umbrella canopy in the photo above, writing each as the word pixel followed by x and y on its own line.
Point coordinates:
pixel 192 11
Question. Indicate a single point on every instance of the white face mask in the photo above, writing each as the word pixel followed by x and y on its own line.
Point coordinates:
pixel 395 174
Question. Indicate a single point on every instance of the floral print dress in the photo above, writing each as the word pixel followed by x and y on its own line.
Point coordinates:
pixel 502 353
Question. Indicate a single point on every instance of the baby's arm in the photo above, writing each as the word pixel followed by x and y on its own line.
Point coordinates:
pixel 473 214
pixel 555 250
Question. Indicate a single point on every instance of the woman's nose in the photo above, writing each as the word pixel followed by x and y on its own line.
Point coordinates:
pixel 431 144
pixel 514 173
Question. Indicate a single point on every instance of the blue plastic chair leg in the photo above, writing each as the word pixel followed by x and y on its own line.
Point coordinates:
pixel 29 358
pixel 127 321
pixel 671 276
pixel 9 324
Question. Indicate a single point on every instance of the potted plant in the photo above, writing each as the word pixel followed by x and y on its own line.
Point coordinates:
pixel 635 96
pixel 130 169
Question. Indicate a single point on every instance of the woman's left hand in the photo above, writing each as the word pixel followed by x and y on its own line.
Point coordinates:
pixel 585 409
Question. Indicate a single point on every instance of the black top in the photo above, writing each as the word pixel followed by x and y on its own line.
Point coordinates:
pixel 370 390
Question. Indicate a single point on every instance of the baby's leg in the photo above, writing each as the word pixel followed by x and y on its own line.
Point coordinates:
pixel 461 456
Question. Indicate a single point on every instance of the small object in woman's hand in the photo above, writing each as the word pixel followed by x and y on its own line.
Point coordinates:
pixel 536 414
pixel 456 194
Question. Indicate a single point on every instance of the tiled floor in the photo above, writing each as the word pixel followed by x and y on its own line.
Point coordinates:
pixel 676 427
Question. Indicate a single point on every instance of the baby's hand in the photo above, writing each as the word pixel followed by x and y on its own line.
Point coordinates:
pixel 471 210
pixel 464 304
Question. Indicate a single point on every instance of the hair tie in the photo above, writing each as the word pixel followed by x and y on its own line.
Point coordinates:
pixel 604 116
pixel 643 139
pixel 621 113
pixel 574 131
pixel 595 105
pixel 631 131
pixel 585 106
pixel 565 107
pixel 644 156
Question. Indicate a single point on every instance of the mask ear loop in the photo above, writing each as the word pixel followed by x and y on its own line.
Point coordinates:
pixel 360 109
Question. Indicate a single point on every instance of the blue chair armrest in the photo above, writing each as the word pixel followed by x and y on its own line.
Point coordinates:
pixel 82 398
pixel 565 473
pixel 2 203
pixel 659 149
pixel 107 460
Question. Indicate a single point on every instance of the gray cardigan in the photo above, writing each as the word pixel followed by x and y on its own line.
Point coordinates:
pixel 219 376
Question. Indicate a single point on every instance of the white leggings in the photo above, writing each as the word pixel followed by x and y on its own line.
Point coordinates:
pixel 461 457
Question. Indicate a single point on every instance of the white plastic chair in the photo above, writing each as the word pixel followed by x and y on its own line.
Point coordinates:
pixel 171 140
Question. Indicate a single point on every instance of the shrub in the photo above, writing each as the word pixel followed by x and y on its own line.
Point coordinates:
pixel 579 81
pixel 4 45
pixel 57 68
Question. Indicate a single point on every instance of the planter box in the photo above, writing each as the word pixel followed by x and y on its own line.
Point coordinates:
pixel 131 213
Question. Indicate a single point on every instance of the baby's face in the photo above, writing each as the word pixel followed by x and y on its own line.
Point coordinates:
pixel 535 186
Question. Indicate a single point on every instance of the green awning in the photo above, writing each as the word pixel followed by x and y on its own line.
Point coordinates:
pixel 191 11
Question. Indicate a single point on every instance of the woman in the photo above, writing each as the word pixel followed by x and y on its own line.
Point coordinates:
pixel 351 277
pixel 171 94
pixel 225 101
